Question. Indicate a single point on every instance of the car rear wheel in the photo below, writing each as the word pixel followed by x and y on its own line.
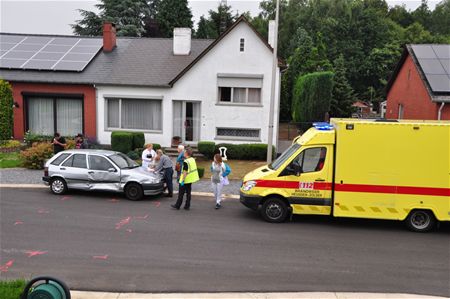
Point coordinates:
pixel 58 186
pixel 420 221
pixel 274 210
pixel 133 191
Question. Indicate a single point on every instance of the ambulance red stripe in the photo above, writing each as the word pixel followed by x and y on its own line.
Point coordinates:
pixel 357 188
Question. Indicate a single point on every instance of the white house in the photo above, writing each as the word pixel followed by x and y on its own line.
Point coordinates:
pixel 200 90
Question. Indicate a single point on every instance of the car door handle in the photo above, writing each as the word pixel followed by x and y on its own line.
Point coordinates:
pixel 90 172
pixel 320 180
pixel 62 168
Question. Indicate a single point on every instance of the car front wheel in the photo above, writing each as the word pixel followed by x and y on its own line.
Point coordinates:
pixel 58 186
pixel 133 191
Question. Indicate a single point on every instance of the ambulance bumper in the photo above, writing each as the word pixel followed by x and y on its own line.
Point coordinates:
pixel 250 201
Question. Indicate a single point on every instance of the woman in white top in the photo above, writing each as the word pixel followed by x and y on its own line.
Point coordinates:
pixel 217 179
pixel 148 156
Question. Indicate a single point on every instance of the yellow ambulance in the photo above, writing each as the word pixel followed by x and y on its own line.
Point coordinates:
pixel 380 169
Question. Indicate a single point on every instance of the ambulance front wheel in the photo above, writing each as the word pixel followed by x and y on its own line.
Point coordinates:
pixel 274 210
pixel 420 221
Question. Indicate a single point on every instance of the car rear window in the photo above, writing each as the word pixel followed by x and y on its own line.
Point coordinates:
pixel 59 159
pixel 77 160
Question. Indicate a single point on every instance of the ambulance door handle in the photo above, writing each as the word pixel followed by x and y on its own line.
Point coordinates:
pixel 320 180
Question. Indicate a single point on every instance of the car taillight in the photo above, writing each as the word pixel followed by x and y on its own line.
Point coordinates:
pixel 46 171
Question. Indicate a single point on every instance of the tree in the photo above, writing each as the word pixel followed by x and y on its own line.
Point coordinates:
pixel 128 15
pixel 6 111
pixel 222 17
pixel 422 14
pixel 312 97
pixel 343 94
pixel 205 29
pixel 440 18
pixel 171 14
pixel 401 15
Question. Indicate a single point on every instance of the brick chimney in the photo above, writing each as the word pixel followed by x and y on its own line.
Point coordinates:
pixel 109 36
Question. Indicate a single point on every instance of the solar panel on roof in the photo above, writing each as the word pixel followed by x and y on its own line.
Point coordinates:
pixel 432 66
pixel 442 51
pixel 47 53
pixel 439 83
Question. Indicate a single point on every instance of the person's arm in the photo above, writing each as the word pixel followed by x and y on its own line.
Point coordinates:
pixel 63 141
pixel 184 172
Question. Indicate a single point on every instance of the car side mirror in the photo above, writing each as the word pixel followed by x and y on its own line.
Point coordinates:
pixel 112 169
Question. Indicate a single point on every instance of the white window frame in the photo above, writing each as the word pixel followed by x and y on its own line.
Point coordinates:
pixel 109 129
pixel 246 81
pixel 231 103
pixel 242 45
pixel 220 137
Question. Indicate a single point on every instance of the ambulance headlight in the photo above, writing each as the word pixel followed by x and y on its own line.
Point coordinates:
pixel 247 186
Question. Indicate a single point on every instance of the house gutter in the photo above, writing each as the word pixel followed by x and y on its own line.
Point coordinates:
pixel 440 110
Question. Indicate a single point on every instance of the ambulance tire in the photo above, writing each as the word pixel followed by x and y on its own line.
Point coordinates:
pixel 274 210
pixel 420 221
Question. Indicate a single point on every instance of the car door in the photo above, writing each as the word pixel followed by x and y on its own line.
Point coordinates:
pixel 75 172
pixel 103 174
pixel 308 180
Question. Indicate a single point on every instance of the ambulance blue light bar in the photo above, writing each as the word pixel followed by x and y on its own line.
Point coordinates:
pixel 323 126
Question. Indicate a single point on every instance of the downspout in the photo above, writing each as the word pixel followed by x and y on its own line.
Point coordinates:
pixel 440 110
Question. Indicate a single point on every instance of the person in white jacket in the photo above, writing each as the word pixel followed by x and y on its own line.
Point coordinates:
pixel 148 156
pixel 217 178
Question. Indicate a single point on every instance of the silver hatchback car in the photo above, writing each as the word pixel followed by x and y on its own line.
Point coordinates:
pixel 86 169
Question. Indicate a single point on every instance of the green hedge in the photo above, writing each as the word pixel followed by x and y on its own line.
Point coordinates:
pixel 138 139
pixel 201 172
pixel 122 141
pixel 6 110
pixel 207 148
pixel 11 289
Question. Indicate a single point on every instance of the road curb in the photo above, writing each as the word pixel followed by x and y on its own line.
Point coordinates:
pixel 301 295
pixel 39 186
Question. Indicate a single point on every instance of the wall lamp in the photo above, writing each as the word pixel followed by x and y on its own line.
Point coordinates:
pixel 16 105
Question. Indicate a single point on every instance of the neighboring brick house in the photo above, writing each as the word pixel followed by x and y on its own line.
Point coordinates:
pixel 420 85
pixel 215 90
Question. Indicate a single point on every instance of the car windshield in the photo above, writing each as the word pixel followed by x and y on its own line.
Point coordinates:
pixel 122 161
pixel 284 156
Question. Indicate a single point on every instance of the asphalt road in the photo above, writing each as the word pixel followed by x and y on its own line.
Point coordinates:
pixel 95 243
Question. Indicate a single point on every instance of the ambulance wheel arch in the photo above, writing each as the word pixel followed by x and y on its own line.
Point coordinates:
pixel 421 220
pixel 275 208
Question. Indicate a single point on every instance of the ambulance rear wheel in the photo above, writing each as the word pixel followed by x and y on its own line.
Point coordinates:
pixel 420 221
pixel 274 210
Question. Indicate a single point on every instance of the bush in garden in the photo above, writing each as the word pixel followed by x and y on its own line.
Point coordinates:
pixel 138 139
pixel 121 141
pixel 156 146
pixel 207 148
pixel 35 156
pixel 9 143
pixel 201 172
pixel 133 155
pixel 31 138
pixel 6 110
pixel 255 151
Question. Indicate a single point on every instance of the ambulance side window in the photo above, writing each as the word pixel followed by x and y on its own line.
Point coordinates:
pixel 309 160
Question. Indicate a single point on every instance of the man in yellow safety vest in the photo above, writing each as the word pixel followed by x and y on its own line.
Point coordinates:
pixel 189 175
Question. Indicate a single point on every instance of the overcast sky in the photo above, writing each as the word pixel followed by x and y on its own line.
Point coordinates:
pixel 55 16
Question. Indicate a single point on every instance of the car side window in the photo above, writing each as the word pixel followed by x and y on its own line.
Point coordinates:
pixel 68 162
pixel 76 160
pixel 99 163
pixel 59 159
pixel 313 159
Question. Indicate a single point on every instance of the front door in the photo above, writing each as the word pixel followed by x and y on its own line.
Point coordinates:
pixel 186 121
pixel 308 179
pixel 103 175
pixel 75 172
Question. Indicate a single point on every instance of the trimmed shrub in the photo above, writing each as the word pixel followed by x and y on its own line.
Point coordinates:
pixel 122 141
pixel 255 151
pixel 6 110
pixel 138 139
pixel 207 148
pixel 35 156
pixel 31 138
pixel 156 146
pixel 133 155
pixel 201 172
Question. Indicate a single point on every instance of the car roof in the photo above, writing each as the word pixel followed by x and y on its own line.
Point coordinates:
pixel 91 151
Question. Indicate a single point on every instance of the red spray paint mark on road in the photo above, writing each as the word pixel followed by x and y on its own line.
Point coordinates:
pixel 141 217
pixel 157 204
pixel 65 198
pixel 31 253
pixel 100 257
pixel 123 222
pixel 43 211
pixel 18 222
pixel 113 200
pixel 5 267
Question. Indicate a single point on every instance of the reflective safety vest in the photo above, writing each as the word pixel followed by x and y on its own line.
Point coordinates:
pixel 192 173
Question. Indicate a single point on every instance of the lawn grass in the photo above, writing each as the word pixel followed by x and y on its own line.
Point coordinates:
pixel 11 289
pixel 9 160
pixel 239 168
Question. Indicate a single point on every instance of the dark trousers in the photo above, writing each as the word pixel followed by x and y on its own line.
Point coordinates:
pixel 168 177
pixel 186 188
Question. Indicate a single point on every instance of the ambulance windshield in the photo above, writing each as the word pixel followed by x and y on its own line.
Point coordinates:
pixel 284 156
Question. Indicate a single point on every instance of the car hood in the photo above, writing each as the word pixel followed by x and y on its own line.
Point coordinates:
pixel 141 175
